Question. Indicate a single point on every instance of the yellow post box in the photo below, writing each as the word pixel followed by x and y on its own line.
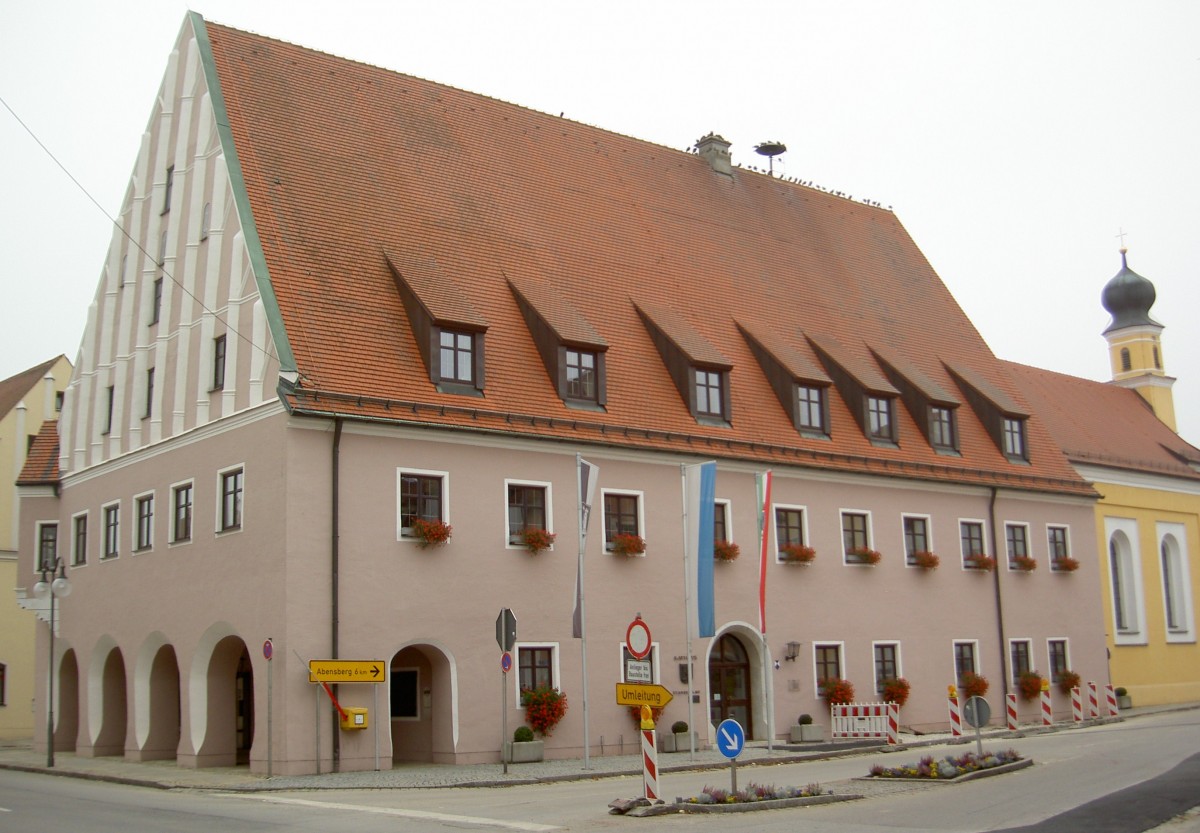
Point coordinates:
pixel 354 718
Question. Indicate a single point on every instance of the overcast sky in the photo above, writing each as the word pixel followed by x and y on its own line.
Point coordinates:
pixel 1014 140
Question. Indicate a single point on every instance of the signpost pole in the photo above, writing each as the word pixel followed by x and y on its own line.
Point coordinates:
pixel 375 722
pixel 503 719
pixel 268 652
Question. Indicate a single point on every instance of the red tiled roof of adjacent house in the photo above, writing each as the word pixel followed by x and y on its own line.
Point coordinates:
pixel 347 166
pixel 1103 424
pixel 15 388
pixel 41 464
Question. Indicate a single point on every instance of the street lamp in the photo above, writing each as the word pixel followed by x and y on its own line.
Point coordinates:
pixel 54 584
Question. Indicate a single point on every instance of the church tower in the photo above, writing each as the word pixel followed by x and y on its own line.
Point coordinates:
pixel 1134 348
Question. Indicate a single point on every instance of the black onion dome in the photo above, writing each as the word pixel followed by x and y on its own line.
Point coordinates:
pixel 1128 298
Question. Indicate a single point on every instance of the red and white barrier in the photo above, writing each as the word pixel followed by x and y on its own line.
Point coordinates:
pixel 866 720
pixel 1011 709
pixel 1110 695
pixel 955 717
pixel 1076 705
pixel 1047 713
pixel 1093 701
pixel 649 765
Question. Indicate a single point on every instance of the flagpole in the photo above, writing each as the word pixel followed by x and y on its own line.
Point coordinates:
pixel 687 616
pixel 583 519
pixel 764 510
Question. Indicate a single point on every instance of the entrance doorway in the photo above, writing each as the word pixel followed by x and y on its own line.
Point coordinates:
pixel 244 704
pixel 729 683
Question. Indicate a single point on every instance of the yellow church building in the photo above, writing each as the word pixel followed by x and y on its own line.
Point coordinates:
pixel 1121 436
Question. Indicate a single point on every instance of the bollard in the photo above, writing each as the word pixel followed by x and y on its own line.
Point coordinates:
pixel 1110 695
pixel 955 712
pixel 1011 703
pixel 1077 704
pixel 1093 701
pixel 893 724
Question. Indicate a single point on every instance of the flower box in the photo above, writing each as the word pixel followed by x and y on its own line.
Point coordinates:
pixel 535 540
pixel 726 551
pixel 1067 680
pixel 627 544
pixel 525 752
pixel 1024 563
pixel 796 554
pixel 1066 564
pixel 806 733
pixel 836 691
pixel 431 532
pixel 677 742
pixel 925 560
pixel 863 555
pixel 979 561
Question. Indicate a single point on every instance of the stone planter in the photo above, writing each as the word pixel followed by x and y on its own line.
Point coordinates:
pixel 806 733
pixel 1124 701
pixel 676 742
pixel 524 753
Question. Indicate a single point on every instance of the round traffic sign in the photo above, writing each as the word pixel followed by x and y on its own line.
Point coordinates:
pixel 637 638
pixel 731 738
pixel 506 662
pixel 977 712
pixel 268 648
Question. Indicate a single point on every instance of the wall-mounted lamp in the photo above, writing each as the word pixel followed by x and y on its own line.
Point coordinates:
pixel 793 651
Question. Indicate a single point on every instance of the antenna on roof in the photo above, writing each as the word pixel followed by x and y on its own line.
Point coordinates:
pixel 770 150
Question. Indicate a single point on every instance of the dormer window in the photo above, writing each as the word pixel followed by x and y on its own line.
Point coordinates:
pixel 810 409
pixel 581 375
pixel 880 425
pixel 457 357
pixel 941 429
pixel 709 393
pixel 1014 439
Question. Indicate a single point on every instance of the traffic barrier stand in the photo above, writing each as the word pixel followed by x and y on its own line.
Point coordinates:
pixel 649 765
pixel 865 720
pixel 955 717
pixel 893 724
pixel 1011 704
pixel 1093 701
pixel 1076 705
pixel 1110 694
pixel 1047 714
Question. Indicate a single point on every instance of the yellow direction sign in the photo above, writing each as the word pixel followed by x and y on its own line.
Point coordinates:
pixel 640 694
pixel 347 671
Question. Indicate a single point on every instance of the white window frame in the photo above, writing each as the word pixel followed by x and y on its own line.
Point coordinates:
pixel 180 542
pixel 1050 561
pixel 1131 580
pixel 795 507
pixel 1008 556
pixel 641 512
pixel 545 486
pixel 654 657
pixel 842 513
pixel 136 526
pixel 904 516
pixel 75 559
pixel 723 506
pixel 405 718
pixel 954 643
pixel 1186 632
pixel 1013 677
pixel 895 643
pixel 983 537
pixel 555 671
pixel 841 649
pixel 37 561
pixel 233 530
pixel 445 478
pixel 1049 675
pixel 104 508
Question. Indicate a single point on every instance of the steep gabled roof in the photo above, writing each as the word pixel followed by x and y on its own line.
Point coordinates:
pixel 353 174
pixel 15 388
pixel 1105 425
pixel 41 464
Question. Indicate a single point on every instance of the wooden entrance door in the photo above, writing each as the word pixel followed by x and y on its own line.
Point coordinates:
pixel 729 683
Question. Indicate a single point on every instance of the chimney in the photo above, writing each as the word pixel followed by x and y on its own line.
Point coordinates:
pixel 715 150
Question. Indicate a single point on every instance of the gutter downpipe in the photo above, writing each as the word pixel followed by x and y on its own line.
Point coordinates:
pixel 999 600
pixel 333 552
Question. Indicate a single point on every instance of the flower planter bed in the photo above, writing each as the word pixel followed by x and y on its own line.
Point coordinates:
pixel 951 768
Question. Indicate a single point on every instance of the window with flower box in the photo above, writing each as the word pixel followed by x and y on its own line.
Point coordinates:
pixel 1020 652
pixel 856 537
pixel 916 537
pixel 791 534
pixel 887 663
pixel 827 661
pixel 965 659
pixel 622 516
pixel 970 535
pixel 537 665
pixel 529 508
pixel 1058 545
pixel 1060 660
pixel 1016 543
pixel 423 495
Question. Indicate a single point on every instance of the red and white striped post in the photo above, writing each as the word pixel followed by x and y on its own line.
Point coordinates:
pixel 955 712
pixel 649 765
pixel 1110 695
pixel 1093 701
pixel 893 717
pixel 1011 703
pixel 1077 704
pixel 1047 713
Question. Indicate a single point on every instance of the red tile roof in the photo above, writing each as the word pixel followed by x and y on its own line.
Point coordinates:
pixel 1103 424
pixel 41 464
pixel 347 165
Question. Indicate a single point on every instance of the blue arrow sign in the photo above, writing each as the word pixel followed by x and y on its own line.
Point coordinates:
pixel 731 738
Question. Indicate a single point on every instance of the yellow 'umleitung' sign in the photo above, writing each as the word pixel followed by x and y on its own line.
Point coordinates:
pixel 638 694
